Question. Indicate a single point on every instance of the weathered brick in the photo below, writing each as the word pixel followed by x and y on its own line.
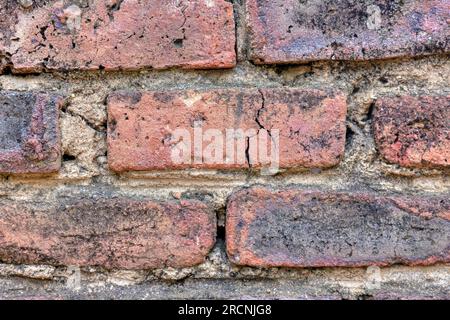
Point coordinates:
pixel 292 31
pixel 7 23
pixel 413 131
pixel 294 228
pixel 119 34
pixel 111 233
pixel 29 132
pixel 141 127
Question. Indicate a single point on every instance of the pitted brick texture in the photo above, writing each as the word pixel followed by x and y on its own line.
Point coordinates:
pixel 363 148
pixel 291 31
pixel 294 228
pixel 29 132
pixel 118 35
pixel 142 127
pixel 114 233
pixel 413 131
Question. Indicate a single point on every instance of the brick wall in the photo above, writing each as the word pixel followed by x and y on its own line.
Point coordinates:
pixel 224 149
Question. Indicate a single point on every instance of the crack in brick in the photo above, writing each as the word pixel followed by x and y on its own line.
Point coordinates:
pixel 56 38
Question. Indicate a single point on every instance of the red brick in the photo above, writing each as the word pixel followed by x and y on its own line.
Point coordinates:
pixel 413 131
pixel 7 22
pixel 295 228
pixel 292 31
pixel 119 35
pixel 110 233
pixel 141 126
pixel 29 132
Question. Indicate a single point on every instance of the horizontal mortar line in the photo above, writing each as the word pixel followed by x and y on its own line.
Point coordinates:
pixel 132 187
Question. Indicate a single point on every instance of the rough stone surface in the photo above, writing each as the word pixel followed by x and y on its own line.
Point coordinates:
pixel 291 31
pixel 110 233
pixel 85 173
pixel 293 228
pixel 395 283
pixel 141 128
pixel 413 131
pixel 118 35
pixel 29 132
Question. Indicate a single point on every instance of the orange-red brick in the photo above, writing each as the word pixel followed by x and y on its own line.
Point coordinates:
pixel 118 35
pixel 311 126
pixel 413 131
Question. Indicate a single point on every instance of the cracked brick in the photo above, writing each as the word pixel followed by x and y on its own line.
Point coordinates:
pixel 142 128
pixel 118 35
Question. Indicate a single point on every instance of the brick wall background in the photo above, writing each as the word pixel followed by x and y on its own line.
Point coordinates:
pixel 91 205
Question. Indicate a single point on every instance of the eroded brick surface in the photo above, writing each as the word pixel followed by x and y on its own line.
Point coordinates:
pixel 294 228
pixel 118 34
pixel 29 132
pixel 290 31
pixel 7 24
pixel 111 233
pixel 142 128
pixel 413 131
